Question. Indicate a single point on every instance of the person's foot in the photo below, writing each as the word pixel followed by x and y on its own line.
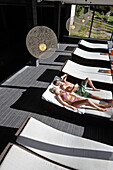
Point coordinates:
pixel 94 89
pixel 103 110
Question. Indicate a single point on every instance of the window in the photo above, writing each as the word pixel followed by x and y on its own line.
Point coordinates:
pixel 91 21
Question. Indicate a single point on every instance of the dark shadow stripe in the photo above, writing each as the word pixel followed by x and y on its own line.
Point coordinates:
pixel 75 152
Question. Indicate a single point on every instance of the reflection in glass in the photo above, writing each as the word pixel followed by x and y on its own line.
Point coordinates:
pixel 79 24
pixel 102 22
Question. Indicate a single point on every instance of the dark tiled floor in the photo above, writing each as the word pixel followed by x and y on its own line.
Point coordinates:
pixel 69 48
pixel 63 58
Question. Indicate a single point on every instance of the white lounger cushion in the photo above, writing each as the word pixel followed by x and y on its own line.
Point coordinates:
pixel 48 96
pixel 88 69
pixel 93 45
pixel 90 55
pixel 19 159
pixel 72 151
pixel 70 69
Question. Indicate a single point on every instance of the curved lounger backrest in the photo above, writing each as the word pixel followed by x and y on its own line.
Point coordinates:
pixel 90 69
pixel 93 47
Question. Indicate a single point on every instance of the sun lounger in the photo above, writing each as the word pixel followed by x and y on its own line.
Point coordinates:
pixel 99 80
pixel 18 158
pixel 83 57
pixel 89 69
pixel 52 105
pixel 68 150
pixel 93 47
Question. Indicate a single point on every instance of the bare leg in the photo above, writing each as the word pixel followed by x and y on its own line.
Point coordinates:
pixel 91 84
pixel 99 98
pixel 89 103
pixel 100 105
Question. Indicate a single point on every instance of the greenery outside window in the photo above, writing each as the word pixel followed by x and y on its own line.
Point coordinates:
pixel 91 21
pixel 102 22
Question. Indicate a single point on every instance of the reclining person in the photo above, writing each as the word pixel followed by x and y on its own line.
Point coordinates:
pixel 81 90
pixel 71 100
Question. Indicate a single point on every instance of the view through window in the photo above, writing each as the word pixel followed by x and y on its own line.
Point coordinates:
pixel 91 21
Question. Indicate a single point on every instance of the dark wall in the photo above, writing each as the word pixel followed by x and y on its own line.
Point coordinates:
pixel 65 15
pixel 54 15
pixel 13 30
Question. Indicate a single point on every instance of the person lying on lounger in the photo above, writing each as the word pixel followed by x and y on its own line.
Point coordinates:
pixel 71 100
pixel 81 90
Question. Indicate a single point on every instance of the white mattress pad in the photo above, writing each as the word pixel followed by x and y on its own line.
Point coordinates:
pixel 72 151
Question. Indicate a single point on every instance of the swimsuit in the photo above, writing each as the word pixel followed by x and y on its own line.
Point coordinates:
pixel 76 99
pixel 81 90
pixel 64 96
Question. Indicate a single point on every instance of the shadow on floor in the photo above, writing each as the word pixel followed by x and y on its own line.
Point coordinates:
pixel 62 58
pixel 49 75
pixel 69 48
pixel 6 136
pixel 30 100
pixel 101 134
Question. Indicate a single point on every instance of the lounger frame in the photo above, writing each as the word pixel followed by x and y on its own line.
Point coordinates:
pixel 22 126
pixel 5 152
pixel 90 62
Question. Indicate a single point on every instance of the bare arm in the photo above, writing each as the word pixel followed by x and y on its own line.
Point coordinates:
pixel 65 104
pixel 72 89
pixel 68 89
pixel 64 77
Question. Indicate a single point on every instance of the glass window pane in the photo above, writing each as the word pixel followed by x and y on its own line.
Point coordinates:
pixel 102 22
pixel 79 24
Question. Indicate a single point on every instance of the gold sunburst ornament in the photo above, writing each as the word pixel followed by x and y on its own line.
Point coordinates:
pixel 42 47
pixel 83 20
pixel 72 27
pixel 75 26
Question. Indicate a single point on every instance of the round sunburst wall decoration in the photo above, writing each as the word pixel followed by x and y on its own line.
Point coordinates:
pixel 41 42
pixel 74 23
